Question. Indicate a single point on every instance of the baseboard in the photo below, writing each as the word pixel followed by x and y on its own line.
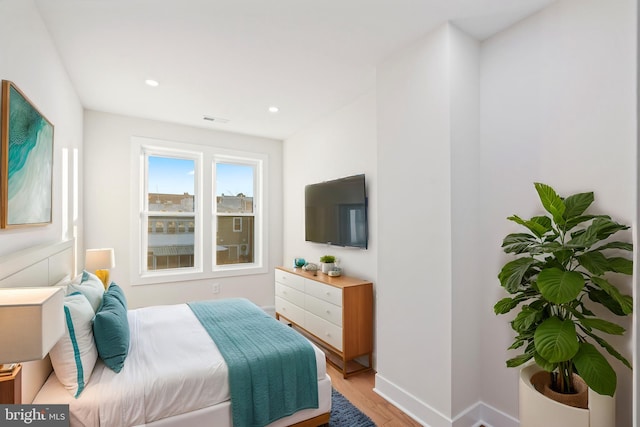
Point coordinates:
pixel 474 416
pixel 492 417
pixel 409 404
pixel 481 414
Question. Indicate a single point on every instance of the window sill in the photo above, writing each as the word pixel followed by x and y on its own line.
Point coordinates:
pixel 176 276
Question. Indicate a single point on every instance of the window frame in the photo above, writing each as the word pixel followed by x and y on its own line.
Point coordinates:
pixel 145 212
pixel 204 210
pixel 259 174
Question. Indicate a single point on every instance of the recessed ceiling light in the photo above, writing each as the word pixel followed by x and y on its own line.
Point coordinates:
pixel 273 109
pixel 152 83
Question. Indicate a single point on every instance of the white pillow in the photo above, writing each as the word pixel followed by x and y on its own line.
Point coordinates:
pixel 75 354
pixel 90 286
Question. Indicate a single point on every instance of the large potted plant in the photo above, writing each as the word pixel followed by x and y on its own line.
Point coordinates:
pixel 564 265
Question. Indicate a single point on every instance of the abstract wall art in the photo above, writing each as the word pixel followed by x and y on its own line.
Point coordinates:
pixel 26 161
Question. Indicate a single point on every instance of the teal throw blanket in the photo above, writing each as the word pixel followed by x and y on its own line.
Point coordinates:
pixel 272 368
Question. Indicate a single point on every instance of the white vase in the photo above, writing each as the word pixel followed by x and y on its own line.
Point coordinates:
pixel 537 410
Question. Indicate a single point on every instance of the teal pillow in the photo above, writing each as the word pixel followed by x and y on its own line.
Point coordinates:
pixel 111 331
pixel 117 292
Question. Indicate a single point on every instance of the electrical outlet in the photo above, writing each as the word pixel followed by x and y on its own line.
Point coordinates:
pixel 215 288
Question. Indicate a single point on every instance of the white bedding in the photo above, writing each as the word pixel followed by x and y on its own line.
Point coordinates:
pixel 173 367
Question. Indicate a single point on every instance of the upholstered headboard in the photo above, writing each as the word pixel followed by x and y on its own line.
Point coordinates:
pixel 43 265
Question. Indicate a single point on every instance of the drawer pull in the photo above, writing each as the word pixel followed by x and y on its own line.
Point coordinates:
pixel 328 311
pixel 328 294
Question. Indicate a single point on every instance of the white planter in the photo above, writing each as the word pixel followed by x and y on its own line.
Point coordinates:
pixel 327 266
pixel 537 410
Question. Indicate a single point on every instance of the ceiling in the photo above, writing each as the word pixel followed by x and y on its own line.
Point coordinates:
pixel 232 59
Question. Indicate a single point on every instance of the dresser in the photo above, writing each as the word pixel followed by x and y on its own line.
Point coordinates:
pixel 336 312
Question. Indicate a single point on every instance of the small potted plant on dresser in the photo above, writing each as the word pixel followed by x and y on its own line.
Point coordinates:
pixel 327 263
pixel 564 266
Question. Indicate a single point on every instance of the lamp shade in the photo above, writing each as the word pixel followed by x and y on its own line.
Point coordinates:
pixel 31 322
pixel 97 259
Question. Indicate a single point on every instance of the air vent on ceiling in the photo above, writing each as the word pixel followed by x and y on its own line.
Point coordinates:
pixel 215 119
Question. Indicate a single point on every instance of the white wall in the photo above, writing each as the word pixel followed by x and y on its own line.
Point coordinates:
pixel 421 93
pixel 464 74
pixel 558 105
pixel 413 328
pixel 29 59
pixel 107 204
pixel 341 144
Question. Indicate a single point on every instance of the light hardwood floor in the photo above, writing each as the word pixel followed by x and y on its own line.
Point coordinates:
pixel 359 390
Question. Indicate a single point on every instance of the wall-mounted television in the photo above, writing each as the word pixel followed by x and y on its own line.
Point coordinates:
pixel 336 212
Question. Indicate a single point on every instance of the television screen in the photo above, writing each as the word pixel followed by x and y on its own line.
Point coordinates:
pixel 336 212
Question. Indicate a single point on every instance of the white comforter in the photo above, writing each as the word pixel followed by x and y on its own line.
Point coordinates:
pixel 173 367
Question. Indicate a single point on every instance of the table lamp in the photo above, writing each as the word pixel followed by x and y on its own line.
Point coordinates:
pixel 100 260
pixel 32 321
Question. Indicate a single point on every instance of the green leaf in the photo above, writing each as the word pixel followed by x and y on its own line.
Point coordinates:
pixel 595 262
pixel 512 274
pixel 577 204
pixel 551 202
pixel 583 239
pixel 505 305
pixel 563 256
pixel 600 229
pixel 595 370
pixel 582 218
pixel 542 222
pixel 601 297
pixel 519 360
pixel 625 246
pixel 602 325
pixel 518 243
pixel 559 286
pixel 516 344
pixel 556 340
pixel 609 349
pixel 625 301
pixel 606 227
pixel 527 317
pixel 621 265
pixel 537 225
pixel 544 363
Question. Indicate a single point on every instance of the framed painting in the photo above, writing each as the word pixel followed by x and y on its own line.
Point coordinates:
pixel 26 161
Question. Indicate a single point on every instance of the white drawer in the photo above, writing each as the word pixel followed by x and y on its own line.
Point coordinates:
pixel 290 294
pixel 324 292
pixel 323 309
pixel 290 311
pixel 288 279
pixel 324 330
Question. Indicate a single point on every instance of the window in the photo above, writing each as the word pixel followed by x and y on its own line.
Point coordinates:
pixel 200 212
pixel 169 213
pixel 235 212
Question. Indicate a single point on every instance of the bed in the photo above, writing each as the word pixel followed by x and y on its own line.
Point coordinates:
pixel 174 373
